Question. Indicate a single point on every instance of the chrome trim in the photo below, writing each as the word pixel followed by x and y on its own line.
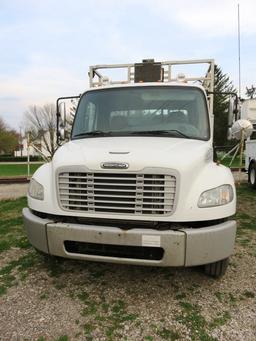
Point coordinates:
pixel 114 165
pixel 152 192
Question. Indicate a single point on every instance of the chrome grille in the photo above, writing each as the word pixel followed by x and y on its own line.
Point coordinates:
pixel 125 193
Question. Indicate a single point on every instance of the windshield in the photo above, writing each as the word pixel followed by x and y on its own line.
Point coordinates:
pixel 169 111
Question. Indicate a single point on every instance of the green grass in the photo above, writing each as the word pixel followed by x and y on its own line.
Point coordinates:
pixel 149 338
pixel 62 338
pixel 17 169
pixel 11 227
pixel 235 163
pixel 246 213
pixel 244 192
pixel 200 328
pixel 12 235
pixel 167 334
pixel 220 320
pixel 16 271
pixel 249 294
pixel 191 316
pixel 108 315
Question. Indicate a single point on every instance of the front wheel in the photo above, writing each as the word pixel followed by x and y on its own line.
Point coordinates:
pixel 216 269
pixel 252 175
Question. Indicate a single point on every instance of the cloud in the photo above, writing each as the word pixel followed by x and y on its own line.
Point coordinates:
pixel 210 19
pixel 36 84
pixel 47 46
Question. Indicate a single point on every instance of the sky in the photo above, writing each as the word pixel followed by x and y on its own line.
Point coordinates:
pixel 48 46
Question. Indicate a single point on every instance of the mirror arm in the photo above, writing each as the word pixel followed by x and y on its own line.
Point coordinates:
pixel 227 93
pixel 58 115
pixel 57 121
pixel 235 110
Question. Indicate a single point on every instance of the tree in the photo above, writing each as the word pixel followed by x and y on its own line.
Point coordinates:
pixel 41 124
pixel 251 92
pixel 9 138
pixel 222 83
pixel 2 125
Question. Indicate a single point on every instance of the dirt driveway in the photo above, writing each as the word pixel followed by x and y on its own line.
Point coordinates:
pixel 48 299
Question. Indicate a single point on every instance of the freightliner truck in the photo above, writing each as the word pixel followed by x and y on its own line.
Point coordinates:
pixel 137 183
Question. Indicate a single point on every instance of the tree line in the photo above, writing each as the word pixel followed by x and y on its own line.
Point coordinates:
pixel 9 138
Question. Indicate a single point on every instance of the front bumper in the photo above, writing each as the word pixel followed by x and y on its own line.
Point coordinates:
pixel 183 247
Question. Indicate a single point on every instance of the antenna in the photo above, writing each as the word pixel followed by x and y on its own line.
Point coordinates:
pixel 239 54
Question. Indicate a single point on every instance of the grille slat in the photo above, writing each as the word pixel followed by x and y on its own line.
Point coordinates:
pixel 98 177
pixel 116 208
pixel 137 194
pixel 170 202
pixel 114 184
pixel 169 197
pixel 116 190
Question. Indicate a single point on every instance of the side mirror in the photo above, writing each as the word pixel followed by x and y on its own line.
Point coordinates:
pixel 62 119
pixel 61 133
pixel 231 111
pixel 229 134
pixel 63 114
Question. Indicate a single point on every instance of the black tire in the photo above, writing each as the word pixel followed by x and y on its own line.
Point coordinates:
pixel 252 174
pixel 216 269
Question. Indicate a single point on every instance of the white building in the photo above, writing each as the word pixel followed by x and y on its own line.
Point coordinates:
pixel 35 148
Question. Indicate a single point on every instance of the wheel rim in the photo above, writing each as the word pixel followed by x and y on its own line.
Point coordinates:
pixel 252 176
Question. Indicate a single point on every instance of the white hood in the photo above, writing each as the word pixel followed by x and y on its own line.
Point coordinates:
pixel 138 152
pixel 189 160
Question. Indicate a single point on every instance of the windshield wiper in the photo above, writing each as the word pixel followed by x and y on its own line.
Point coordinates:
pixel 161 132
pixel 100 133
pixel 94 133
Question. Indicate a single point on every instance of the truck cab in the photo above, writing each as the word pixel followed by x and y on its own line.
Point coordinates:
pixel 137 182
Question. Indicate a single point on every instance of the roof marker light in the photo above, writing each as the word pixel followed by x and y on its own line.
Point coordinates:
pixel 181 78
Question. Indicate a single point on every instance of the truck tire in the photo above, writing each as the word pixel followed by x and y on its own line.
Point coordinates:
pixel 216 269
pixel 252 174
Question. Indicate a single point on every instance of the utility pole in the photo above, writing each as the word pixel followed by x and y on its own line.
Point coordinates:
pixel 28 156
pixel 21 146
pixel 239 53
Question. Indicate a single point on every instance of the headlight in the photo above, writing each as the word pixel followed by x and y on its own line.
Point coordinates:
pixel 218 196
pixel 36 190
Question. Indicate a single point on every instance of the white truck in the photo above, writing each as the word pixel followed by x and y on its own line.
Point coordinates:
pixel 248 112
pixel 137 182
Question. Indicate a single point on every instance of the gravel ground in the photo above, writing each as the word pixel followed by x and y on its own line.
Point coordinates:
pixel 242 177
pixel 60 300
pixel 13 191
pixel 113 302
